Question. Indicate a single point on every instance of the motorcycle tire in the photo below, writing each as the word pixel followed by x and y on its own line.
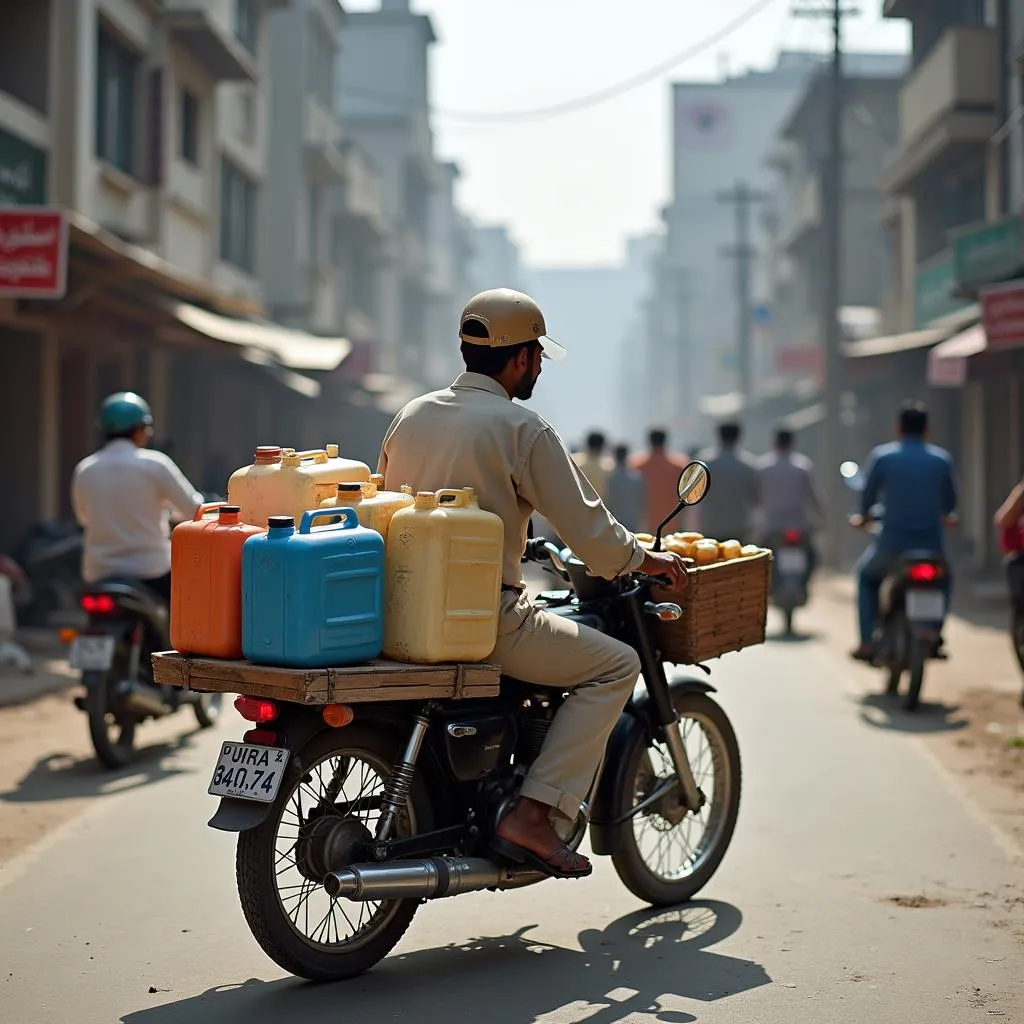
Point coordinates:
pixel 630 864
pixel 112 752
pixel 895 645
pixel 915 668
pixel 208 709
pixel 787 621
pixel 257 859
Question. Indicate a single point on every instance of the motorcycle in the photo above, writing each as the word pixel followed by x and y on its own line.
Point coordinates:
pixel 791 569
pixel 912 606
pixel 1013 564
pixel 350 818
pixel 127 624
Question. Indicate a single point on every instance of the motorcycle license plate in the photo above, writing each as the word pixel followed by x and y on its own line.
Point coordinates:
pixel 92 653
pixel 792 561
pixel 249 771
pixel 925 605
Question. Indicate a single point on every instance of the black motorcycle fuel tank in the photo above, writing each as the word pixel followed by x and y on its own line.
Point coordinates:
pixel 476 742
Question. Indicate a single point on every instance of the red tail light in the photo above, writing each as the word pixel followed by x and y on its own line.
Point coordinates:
pixel 98 604
pixel 925 572
pixel 793 537
pixel 255 709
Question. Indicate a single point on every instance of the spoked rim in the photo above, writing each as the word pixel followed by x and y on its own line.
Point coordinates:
pixel 674 844
pixel 332 784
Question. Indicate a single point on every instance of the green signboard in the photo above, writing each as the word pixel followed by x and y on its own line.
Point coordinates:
pixel 934 290
pixel 988 253
pixel 22 172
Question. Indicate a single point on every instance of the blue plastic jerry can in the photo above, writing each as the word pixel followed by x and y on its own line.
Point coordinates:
pixel 313 597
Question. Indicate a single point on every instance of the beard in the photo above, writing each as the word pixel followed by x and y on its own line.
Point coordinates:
pixel 526 384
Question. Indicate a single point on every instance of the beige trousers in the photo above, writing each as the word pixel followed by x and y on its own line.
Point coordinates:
pixel 600 672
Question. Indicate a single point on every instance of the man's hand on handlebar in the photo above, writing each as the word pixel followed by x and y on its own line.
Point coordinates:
pixel 665 564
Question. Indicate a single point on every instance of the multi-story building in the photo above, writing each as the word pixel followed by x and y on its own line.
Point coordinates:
pixel 383 98
pixel 721 133
pixel 147 125
pixel 496 260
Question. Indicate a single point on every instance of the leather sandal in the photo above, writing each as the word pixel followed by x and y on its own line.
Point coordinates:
pixel 546 865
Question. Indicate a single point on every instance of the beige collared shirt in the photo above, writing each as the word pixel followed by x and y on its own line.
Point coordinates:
pixel 473 435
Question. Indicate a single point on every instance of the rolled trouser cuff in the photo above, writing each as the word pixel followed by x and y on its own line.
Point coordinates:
pixel 564 803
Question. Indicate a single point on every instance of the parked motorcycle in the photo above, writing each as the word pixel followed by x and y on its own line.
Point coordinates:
pixel 51 557
pixel 127 623
pixel 791 570
pixel 349 818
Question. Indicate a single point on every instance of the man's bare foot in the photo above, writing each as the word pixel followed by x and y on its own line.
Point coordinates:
pixel 527 827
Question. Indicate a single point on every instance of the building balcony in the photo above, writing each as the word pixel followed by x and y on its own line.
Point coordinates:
pixel 321 138
pixel 363 199
pixel 950 100
pixel 222 56
pixel 805 212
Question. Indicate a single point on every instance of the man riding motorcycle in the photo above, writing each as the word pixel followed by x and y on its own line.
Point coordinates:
pixel 789 499
pixel 473 434
pixel 122 496
pixel 915 482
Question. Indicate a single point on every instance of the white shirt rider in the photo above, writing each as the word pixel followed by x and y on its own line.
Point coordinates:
pixel 123 495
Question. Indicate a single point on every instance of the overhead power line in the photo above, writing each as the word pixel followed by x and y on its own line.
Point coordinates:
pixel 592 99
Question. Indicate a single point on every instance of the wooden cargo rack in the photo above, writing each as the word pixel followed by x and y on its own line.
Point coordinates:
pixel 380 680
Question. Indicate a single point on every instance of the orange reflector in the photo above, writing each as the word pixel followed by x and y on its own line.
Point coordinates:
pixel 67 636
pixel 338 715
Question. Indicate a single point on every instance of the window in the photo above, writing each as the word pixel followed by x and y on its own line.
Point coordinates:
pixel 237 217
pixel 116 80
pixel 247 114
pixel 246 23
pixel 313 218
pixel 320 71
pixel 188 127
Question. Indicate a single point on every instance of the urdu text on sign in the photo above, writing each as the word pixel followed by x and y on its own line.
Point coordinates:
pixel 33 252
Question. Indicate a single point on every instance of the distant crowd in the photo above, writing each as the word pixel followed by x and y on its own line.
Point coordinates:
pixel 749 498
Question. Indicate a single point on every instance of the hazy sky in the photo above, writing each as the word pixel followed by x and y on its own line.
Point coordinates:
pixel 572 187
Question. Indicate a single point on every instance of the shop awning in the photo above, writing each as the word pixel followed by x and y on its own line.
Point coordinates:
pixel 297 350
pixel 947 363
pixel 297 382
pixel 892 343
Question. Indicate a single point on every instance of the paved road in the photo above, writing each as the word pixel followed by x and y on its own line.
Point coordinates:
pixel 860 887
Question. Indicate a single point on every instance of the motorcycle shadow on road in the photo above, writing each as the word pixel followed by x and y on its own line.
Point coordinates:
pixel 63 776
pixel 883 711
pixel 649 962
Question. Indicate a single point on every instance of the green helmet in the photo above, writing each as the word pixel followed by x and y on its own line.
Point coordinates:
pixel 123 412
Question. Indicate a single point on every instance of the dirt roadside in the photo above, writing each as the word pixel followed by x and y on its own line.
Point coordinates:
pixel 970 717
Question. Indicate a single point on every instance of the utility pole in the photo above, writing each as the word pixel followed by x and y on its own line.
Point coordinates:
pixel 831 298
pixel 743 198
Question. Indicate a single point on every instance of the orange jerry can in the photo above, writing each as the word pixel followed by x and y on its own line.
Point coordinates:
pixel 206 582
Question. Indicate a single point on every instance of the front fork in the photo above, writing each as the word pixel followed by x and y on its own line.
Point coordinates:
pixel 664 713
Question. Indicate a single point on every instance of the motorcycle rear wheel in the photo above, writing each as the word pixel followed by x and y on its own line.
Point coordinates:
pixel 113 736
pixel 915 667
pixel 265 862
pixel 207 711
pixel 715 759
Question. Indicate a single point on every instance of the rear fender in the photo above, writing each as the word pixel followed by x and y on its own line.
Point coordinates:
pixel 637 724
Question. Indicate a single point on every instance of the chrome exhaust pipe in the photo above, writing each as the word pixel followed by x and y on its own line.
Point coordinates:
pixel 428 879
pixel 144 699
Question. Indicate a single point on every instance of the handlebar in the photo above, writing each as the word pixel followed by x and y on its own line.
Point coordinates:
pixel 541 550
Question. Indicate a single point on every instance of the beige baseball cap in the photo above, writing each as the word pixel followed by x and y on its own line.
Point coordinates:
pixel 502 317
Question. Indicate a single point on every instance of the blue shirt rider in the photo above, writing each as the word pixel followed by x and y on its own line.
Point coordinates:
pixel 916 483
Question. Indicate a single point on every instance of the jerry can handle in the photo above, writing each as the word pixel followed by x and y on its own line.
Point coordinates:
pixel 318 455
pixel 452 496
pixel 206 508
pixel 344 518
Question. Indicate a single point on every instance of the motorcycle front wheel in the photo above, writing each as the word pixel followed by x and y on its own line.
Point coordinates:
pixel 668 854
pixel 280 864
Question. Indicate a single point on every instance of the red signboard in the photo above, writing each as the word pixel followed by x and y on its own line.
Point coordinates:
pixel 802 359
pixel 33 252
pixel 1002 312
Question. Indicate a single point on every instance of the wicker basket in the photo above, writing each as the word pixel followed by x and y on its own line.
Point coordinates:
pixel 725 608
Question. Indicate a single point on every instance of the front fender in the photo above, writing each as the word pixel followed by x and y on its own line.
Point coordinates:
pixel 636 725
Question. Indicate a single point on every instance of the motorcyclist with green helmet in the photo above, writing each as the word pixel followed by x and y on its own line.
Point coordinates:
pixel 123 495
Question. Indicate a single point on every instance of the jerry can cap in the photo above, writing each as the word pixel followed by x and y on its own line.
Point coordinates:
pixel 267 454
pixel 426 499
pixel 281 522
pixel 350 488
pixel 332 450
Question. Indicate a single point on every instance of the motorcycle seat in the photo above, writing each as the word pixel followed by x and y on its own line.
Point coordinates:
pixel 133 590
pixel 922 555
